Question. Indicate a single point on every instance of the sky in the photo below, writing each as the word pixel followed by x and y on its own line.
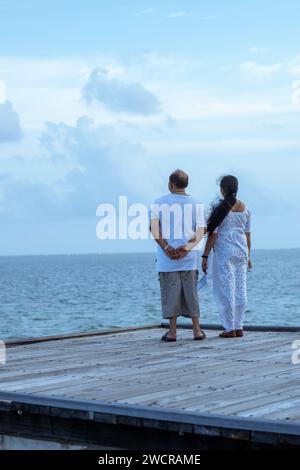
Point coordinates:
pixel 106 98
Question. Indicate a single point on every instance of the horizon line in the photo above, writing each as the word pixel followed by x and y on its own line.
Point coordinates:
pixel 120 253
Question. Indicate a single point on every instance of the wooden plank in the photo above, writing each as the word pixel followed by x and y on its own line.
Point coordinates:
pixel 21 342
pixel 251 376
pixel 132 395
pixel 257 328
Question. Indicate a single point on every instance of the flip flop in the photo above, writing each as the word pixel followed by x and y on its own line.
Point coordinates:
pixel 167 339
pixel 228 334
pixel 200 338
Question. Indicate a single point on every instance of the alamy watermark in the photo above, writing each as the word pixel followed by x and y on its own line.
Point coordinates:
pixel 176 221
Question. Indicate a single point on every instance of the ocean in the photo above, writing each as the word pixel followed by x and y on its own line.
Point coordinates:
pixel 52 295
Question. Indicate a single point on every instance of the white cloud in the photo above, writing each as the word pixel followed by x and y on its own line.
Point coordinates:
pixel 258 50
pixel 147 11
pixel 2 92
pixel 82 165
pixel 119 96
pixel 193 105
pixel 78 167
pixel 295 97
pixel 221 147
pixel 296 69
pixel 50 90
pixel 258 71
pixel 177 14
pixel 45 89
pixel 10 129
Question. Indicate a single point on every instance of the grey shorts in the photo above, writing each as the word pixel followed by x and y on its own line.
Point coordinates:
pixel 179 295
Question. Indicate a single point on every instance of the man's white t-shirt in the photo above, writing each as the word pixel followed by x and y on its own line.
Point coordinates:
pixel 179 216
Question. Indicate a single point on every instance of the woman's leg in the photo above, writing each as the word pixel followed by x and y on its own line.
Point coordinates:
pixel 223 282
pixel 239 316
pixel 240 295
pixel 227 317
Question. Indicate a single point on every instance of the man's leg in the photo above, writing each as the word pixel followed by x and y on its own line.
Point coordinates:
pixel 173 326
pixel 170 285
pixel 196 327
pixel 190 300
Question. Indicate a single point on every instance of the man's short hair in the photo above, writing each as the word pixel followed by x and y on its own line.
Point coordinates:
pixel 180 179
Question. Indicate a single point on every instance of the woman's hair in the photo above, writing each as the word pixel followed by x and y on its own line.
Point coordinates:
pixel 230 185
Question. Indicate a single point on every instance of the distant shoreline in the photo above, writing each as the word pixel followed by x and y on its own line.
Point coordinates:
pixel 45 255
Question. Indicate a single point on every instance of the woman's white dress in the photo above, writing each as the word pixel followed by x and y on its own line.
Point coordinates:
pixel 229 269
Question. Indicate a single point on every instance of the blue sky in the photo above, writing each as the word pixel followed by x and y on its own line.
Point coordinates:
pixel 107 97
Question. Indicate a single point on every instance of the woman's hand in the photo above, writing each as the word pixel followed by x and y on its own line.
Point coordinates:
pixel 204 265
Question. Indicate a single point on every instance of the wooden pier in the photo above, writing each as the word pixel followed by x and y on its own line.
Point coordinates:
pixel 126 389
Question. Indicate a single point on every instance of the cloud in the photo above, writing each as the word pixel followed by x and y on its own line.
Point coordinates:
pixel 222 146
pixel 96 156
pixel 79 167
pixel 177 14
pixel 295 97
pixel 119 96
pixel 2 92
pixel 257 71
pixel 208 17
pixel 85 164
pixel 296 69
pixel 258 50
pixel 10 130
pixel 147 11
pixel 192 105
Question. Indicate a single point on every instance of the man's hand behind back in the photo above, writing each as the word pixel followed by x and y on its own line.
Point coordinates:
pixel 176 253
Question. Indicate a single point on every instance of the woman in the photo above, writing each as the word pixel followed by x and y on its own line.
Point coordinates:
pixel 230 238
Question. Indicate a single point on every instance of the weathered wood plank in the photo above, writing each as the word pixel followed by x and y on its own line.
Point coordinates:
pixel 249 377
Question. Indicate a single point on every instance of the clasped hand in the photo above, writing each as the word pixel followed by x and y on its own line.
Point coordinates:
pixel 176 253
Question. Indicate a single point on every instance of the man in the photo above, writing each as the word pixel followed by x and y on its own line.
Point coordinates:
pixel 178 225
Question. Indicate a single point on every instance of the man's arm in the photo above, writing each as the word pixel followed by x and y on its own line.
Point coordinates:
pixel 157 235
pixel 200 230
pixel 193 242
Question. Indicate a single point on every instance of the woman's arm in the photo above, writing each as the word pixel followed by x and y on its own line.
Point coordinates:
pixel 211 240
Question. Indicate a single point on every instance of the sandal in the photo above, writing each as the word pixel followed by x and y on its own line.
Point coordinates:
pixel 166 338
pixel 228 334
pixel 239 333
pixel 200 338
